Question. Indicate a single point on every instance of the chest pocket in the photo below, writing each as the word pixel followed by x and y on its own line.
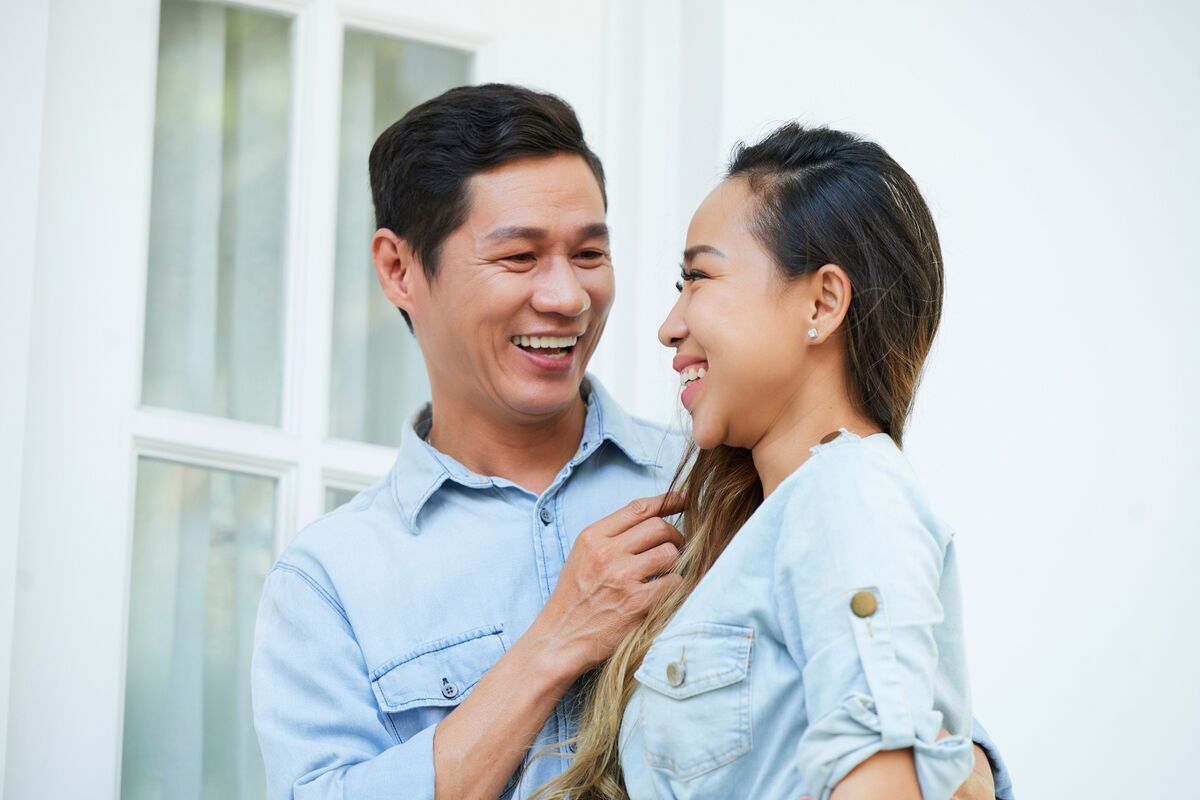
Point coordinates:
pixel 696 712
pixel 418 689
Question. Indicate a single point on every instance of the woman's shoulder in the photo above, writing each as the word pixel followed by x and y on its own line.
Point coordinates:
pixel 859 482
pixel 851 461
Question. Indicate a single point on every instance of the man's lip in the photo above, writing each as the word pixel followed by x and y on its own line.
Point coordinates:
pixel 680 363
pixel 576 334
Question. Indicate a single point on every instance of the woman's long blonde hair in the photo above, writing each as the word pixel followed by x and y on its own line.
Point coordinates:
pixel 824 197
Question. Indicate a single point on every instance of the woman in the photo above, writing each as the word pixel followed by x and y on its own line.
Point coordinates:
pixel 819 650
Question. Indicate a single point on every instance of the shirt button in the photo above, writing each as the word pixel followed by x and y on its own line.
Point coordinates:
pixel 676 672
pixel 546 516
pixel 449 690
pixel 863 604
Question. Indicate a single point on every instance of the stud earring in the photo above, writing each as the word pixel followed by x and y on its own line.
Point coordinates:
pixel 812 333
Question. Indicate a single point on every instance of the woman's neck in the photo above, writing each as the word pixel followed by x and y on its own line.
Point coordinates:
pixel 805 422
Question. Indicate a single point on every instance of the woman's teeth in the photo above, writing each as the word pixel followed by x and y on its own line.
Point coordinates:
pixel 691 374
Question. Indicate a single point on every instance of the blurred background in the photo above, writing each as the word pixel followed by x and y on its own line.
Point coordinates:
pixel 200 361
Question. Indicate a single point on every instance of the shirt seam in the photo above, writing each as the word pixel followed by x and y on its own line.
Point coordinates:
pixel 317 588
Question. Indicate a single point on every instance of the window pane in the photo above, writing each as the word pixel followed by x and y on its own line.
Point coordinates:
pixel 335 497
pixel 202 545
pixel 377 374
pixel 214 294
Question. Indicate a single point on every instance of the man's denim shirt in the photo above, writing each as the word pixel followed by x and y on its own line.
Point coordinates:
pixel 380 617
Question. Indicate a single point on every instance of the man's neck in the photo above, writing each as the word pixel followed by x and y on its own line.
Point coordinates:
pixel 528 453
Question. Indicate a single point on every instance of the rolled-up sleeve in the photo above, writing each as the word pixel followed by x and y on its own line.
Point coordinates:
pixel 1000 776
pixel 856 584
pixel 320 729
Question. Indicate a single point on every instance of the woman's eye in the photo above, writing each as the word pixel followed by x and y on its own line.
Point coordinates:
pixel 679 286
pixel 686 276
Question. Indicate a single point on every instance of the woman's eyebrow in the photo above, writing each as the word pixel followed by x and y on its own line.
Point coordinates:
pixel 696 250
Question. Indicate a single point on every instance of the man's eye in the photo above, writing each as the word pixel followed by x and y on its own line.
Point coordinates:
pixel 522 258
pixel 592 255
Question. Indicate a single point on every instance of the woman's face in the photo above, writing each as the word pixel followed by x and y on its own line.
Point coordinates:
pixel 739 322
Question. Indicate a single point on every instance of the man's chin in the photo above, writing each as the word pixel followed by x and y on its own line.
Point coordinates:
pixel 546 399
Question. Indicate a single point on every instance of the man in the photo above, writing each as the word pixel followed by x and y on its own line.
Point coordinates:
pixel 424 639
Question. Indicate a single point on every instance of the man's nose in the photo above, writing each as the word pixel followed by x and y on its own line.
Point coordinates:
pixel 559 291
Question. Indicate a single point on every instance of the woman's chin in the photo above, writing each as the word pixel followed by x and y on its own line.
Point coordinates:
pixel 705 436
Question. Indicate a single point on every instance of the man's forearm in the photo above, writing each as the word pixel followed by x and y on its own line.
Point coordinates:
pixel 479 745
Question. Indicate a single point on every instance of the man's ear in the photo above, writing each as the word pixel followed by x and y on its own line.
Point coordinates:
pixel 399 270
pixel 831 292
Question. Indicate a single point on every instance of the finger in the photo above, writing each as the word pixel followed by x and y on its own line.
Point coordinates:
pixel 655 561
pixel 648 534
pixel 640 510
pixel 660 587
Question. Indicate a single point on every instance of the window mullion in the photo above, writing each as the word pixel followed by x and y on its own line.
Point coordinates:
pixel 317 75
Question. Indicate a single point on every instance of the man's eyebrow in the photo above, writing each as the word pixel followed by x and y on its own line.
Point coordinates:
pixel 692 252
pixel 596 230
pixel 517 232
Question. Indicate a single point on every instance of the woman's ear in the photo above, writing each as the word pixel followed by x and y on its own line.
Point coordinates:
pixel 831 300
pixel 398 269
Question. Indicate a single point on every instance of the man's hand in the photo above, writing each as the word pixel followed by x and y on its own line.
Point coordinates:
pixel 609 583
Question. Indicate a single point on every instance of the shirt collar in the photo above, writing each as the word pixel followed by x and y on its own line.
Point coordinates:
pixel 421 469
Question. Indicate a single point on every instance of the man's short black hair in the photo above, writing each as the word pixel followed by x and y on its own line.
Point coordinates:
pixel 420 165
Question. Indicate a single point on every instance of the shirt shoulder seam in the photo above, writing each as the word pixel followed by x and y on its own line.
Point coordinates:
pixel 316 587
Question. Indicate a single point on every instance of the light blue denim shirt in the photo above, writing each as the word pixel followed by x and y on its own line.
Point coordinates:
pixel 380 617
pixel 828 630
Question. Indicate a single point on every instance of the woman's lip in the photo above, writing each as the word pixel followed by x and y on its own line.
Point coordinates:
pixel 680 363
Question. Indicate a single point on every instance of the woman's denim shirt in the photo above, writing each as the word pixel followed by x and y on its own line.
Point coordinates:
pixel 830 629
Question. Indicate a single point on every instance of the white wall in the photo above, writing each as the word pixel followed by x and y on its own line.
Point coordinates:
pixel 1057 427
pixel 22 77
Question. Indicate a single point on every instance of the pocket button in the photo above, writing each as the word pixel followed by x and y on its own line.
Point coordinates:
pixel 449 690
pixel 676 673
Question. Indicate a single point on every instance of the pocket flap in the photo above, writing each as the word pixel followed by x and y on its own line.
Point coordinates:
pixel 439 673
pixel 697 658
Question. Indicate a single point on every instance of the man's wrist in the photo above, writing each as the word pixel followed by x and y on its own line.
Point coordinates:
pixel 557 665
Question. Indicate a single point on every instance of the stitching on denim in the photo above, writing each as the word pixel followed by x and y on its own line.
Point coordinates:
pixel 744 744
pixel 433 487
pixel 437 646
pixel 440 700
pixel 316 587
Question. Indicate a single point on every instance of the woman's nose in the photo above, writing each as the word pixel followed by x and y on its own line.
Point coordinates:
pixel 673 330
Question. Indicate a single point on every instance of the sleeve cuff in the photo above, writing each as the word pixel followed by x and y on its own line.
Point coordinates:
pixel 846 737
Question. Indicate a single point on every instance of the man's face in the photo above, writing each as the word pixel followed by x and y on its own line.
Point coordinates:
pixel 522 292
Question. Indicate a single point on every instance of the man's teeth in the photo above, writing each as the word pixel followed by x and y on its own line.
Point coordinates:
pixel 691 374
pixel 552 342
